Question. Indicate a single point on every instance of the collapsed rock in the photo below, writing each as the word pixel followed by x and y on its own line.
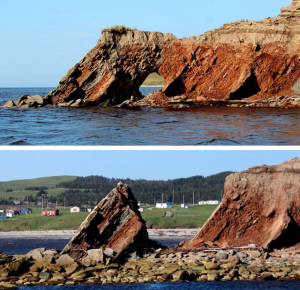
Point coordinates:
pixel 26 101
pixel 115 226
pixel 260 206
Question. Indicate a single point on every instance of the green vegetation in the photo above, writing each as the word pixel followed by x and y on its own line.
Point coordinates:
pixel 148 191
pixel 118 29
pixel 154 79
pixel 35 221
pixel 193 217
pixel 242 20
pixel 19 185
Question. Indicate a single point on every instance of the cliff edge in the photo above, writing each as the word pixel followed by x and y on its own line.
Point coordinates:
pixel 260 206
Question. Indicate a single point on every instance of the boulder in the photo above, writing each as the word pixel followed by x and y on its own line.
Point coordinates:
pixel 114 226
pixel 260 206
pixel 9 104
pixel 36 254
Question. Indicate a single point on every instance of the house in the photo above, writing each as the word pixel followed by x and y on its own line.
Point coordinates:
pixel 2 214
pixel 164 205
pixel 141 209
pixel 50 212
pixel 16 201
pixel 209 202
pixel 140 203
pixel 78 209
pixel 89 209
pixel 23 210
pixel 183 205
pixel 10 214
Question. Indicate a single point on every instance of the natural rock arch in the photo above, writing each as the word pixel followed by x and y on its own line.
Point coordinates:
pixel 243 59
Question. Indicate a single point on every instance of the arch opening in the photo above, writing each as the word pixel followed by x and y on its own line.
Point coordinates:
pixel 152 83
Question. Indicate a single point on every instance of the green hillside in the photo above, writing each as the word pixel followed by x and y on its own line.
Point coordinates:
pixel 154 80
pixel 194 217
pixel 20 185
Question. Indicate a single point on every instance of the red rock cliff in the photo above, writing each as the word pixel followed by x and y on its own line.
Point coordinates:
pixel 260 206
pixel 239 60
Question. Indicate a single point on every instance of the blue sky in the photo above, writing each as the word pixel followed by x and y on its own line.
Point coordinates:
pixel 146 164
pixel 41 40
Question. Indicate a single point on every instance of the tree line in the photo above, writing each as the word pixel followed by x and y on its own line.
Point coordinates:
pixel 91 189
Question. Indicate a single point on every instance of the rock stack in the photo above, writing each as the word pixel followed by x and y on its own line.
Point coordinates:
pixel 114 229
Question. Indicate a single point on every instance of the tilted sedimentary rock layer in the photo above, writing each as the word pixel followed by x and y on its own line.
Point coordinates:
pixel 255 59
pixel 115 225
pixel 260 206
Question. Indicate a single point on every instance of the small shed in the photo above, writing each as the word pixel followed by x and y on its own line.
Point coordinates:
pixel 10 214
pixel 50 212
pixel 75 209
pixel 164 205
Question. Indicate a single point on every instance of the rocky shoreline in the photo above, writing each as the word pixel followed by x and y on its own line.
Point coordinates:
pixel 178 102
pixel 154 234
pixel 47 267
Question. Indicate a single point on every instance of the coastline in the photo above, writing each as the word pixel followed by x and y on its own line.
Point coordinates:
pixel 160 234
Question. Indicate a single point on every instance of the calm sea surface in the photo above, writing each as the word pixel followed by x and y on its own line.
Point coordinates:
pixel 21 246
pixel 144 126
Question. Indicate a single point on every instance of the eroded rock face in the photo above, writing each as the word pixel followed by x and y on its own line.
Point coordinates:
pixel 253 60
pixel 260 206
pixel 115 226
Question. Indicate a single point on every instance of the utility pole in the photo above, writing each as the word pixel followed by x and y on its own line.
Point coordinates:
pixel 27 203
pixel 193 197
pixel 162 197
pixel 199 196
pixel 183 198
pixel 166 198
pixel 173 195
pixel 64 203
pixel 56 204
pixel 42 204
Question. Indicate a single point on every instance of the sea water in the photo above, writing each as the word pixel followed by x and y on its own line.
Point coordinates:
pixel 144 126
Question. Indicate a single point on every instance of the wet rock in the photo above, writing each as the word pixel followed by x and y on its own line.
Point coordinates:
pixel 9 104
pixel 45 275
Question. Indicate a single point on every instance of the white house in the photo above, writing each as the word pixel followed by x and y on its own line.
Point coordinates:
pixel 75 209
pixel 183 205
pixel 209 202
pixel 140 203
pixel 10 214
pixel 164 205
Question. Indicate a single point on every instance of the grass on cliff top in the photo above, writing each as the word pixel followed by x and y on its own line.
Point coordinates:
pixel 19 185
pixel 242 20
pixel 194 217
pixel 154 79
pixel 118 29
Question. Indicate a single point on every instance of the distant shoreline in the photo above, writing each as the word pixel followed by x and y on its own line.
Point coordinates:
pixel 152 86
pixel 164 234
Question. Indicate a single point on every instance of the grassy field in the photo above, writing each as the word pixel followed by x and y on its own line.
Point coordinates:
pixel 19 185
pixel 193 217
pixel 154 80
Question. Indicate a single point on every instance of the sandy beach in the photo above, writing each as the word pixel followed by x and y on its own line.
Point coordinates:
pixel 165 234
